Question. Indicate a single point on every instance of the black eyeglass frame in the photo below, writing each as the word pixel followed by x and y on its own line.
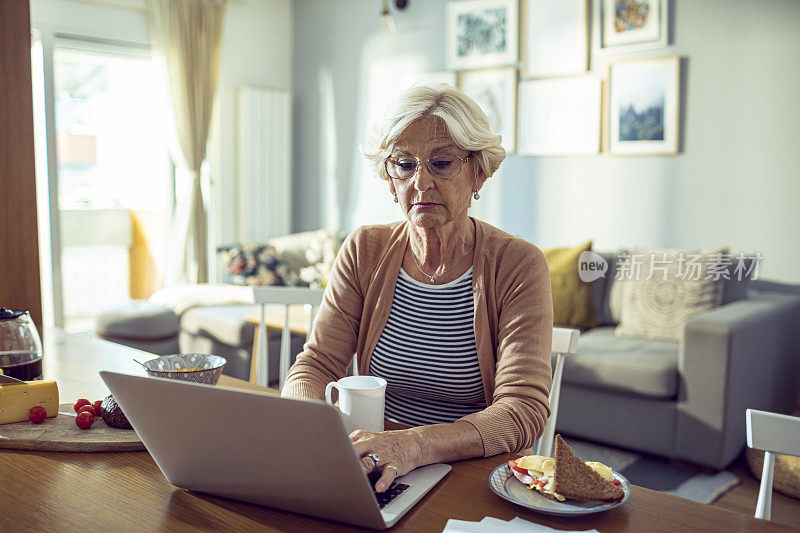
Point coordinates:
pixel 427 165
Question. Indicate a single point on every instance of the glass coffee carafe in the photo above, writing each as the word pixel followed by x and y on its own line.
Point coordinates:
pixel 20 345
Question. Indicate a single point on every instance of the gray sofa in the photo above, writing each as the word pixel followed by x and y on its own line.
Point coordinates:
pixel 686 400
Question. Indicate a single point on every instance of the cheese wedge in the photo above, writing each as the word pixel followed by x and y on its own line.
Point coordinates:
pixel 16 400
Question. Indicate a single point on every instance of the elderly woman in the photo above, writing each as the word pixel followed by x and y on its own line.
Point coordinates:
pixel 455 314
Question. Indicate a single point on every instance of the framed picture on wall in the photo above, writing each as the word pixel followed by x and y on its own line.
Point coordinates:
pixel 481 33
pixel 644 105
pixel 555 38
pixel 629 25
pixel 495 90
pixel 559 116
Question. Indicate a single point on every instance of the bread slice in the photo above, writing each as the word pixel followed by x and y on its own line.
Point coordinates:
pixel 574 479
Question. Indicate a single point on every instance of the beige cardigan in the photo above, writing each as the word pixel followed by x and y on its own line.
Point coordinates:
pixel 513 326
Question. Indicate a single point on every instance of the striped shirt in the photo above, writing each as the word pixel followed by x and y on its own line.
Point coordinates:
pixel 427 354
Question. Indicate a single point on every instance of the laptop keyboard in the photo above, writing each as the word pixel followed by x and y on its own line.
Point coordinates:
pixel 394 490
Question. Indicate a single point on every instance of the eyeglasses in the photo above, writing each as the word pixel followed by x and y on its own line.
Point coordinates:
pixel 439 166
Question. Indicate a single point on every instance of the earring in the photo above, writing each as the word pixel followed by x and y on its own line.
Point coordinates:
pixel 476 195
pixel 395 199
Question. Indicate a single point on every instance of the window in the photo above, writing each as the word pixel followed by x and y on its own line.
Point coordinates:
pixel 113 178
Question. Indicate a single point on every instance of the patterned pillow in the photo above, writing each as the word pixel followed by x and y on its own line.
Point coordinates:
pixel 678 287
pixel 255 264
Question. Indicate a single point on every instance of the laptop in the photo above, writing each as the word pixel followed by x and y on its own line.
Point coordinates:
pixel 263 449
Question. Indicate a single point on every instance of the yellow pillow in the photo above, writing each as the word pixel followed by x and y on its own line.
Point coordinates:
pixel 572 298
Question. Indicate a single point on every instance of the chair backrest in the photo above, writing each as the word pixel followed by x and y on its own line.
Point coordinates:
pixel 565 342
pixel 772 433
pixel 286 296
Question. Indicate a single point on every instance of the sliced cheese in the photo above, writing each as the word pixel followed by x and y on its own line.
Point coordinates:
pixel 16 400
pixel 601 469
pixel 534 462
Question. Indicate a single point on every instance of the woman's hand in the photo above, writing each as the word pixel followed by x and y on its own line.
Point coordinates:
pixel 400 452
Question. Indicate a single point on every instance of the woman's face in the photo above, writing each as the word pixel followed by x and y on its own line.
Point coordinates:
pixel 428 201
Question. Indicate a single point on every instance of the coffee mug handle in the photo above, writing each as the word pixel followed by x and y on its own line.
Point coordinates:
pixel 328 390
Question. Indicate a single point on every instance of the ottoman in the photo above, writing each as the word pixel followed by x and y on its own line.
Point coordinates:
pixel 141 325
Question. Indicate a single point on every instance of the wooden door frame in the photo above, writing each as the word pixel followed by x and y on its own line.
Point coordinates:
pixel 19 234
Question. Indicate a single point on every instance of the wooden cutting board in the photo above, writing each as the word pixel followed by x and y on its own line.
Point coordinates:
pixel 61 434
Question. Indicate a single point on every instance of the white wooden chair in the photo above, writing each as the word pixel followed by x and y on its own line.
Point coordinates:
pixel 772 433
pixel 286 296
pixel 565 342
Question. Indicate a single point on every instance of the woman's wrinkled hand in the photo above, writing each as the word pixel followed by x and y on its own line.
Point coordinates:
pixel 400 450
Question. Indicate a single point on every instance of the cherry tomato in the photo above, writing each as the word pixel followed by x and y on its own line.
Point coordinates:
pixel 616 482
pixel 37 414
pixel 84 420
pixel 96 406
pixel 80 403
pixel 88 409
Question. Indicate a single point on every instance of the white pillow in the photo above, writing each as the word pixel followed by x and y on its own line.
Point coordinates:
pixel 657 308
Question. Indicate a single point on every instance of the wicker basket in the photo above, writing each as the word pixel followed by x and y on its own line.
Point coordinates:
pixel 786 478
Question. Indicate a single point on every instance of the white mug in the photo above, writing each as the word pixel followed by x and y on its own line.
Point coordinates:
pixel 361 402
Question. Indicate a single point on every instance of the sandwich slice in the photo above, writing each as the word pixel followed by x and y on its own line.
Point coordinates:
pixel 567 476
pixel 579 481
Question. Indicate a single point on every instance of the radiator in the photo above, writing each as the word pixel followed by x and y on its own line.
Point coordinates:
pixel 264 163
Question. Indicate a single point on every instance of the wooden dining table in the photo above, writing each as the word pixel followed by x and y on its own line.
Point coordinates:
pixel 125 491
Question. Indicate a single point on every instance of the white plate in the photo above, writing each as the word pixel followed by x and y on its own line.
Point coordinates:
pixel 504 484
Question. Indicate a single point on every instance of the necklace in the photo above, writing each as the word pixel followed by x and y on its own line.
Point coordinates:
pixel 445 270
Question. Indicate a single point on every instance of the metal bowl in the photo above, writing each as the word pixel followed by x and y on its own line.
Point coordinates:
pixel 195 367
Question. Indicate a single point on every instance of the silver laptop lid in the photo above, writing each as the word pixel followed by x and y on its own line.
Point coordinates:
pixel 249 446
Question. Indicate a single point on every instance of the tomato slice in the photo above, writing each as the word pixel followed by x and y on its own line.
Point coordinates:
pixel 513 465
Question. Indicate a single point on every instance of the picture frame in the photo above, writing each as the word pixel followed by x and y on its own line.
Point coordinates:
pixel 495 90
pixel 560 116
pixel 555 37
pixel 644 106
pixel 632 25
pixel 481 34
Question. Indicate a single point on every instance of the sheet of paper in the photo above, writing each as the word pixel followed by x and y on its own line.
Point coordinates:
pixel 490 524
pixel 463 526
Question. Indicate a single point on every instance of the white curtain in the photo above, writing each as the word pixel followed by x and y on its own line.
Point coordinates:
pixel 187 36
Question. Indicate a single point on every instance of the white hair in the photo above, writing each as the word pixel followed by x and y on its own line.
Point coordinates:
pixel 466 124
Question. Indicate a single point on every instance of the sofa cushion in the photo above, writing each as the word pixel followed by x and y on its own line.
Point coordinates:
pixel 138 319
pixel 735 288
pixel 225 323
pixel 300 259
pixel 639 367
pixel 601 290
pixel 665 287
pixel 572 298
pixel 739 276
pixel 255 264
pixel 310 253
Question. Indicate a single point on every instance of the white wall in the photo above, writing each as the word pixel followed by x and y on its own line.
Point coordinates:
pixel 257 51
pixel 735 183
